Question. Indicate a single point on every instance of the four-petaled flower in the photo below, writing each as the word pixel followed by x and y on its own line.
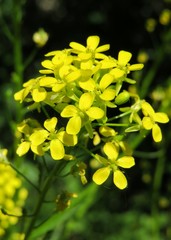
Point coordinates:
pixel 150 120
pixel 85 112
pixel 113 163
pixel 53 139
pixel 91 50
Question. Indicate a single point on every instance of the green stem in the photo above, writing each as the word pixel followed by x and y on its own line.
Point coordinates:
pixel 119 116
pixel 147 81
pixel 57 168
pixel 158 175
pixel 17 43
pixel 32 184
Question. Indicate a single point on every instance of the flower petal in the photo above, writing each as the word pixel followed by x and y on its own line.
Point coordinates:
pixel 95 113
pixel 124 57
pixel 156 133
pixel 73 125
pixel 108 94
pixel 77 47
pixel 147 123
pixel 147 109
pixel 86 100
pixel 69 111
pixel 37 149
pixel 101 175
pixel 111 150
pixel 67 139
pixel 126 162
pixel 50 124
pixel 88 85
pixel 57 149
pixel 93 42
pixel 161 117
pixel 103 48
pixel 119 180
pixel 107 131
pixel 39 94
pixel 38 137
pixel 135 67
pixel 105 81
pixel 23 148
pixel 47 81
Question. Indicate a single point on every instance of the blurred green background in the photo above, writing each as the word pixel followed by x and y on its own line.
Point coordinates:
pixel 143 211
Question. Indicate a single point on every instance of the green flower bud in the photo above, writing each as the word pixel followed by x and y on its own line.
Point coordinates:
pixel 122 98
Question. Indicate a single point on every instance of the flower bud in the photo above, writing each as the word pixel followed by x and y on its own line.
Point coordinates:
pixel 122 98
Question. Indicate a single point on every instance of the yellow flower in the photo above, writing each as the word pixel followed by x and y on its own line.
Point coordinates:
pixel 112 163
pixel 33 87
pixel 60 58
pixel 52 139
pixel 83 113
pixel 123 63
pixel 27 127
pixel 151 120
pixel 91 50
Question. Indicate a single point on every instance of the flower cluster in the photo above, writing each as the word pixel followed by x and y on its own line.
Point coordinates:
pixel 12 194
pixel 83 86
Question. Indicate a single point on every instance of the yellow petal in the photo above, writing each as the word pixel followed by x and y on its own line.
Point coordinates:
pixel 77 46
pixel 124 57
pixel 23 148
pixel 108 63
pixel 119 180
pixel 73 76
pixel 84 56
pixel 107 131
pixel 126 162
pixel 108 94
pixel 86 100
pixel 106 80
pixel 147 123
pixel 69 111
pixel 117 73
pixel 156 133
pixel 95 113
pixel 101 175
pixel 47 64
pixel 37 150
pixel 38 137
pixel 103 48
pixel 87 65
pixel 74 125
pixel 135 67
pixel 21 95
pixel 111 151
pixel 93 42
pixel 57 149
pixel 39 94
pixel 147 109
pixel 47 81
pixel 67 139
pixel 161 117
pixel 58 87
pixel 88 85
pixel 50 124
